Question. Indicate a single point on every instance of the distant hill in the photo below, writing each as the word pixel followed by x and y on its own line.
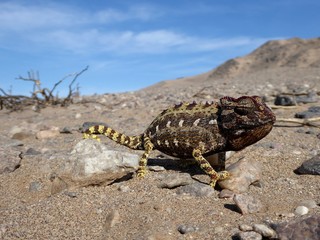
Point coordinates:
pixel 273 56
pixel 295 52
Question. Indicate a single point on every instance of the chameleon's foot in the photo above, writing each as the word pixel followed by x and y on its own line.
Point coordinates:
pixel 141 173
pixel 223 175
pixel 142 169
pixel 220 176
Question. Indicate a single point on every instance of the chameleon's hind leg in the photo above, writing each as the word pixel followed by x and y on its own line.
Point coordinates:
pixel 148 146
pixel 206 167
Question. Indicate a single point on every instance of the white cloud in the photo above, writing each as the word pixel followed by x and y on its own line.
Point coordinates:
pixel 139 12
pixel 16 17
pixel 60 28
pixel 21 17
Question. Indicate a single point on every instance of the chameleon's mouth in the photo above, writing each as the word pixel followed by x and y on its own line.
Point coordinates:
pixel 242 138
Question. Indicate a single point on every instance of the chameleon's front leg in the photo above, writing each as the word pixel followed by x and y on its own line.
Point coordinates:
pixel 207 168
pixel 148 146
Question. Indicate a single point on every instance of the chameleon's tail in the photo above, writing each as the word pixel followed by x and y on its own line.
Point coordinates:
pixel 133 142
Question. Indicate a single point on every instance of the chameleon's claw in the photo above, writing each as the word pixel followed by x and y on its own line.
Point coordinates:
pixel 223 175
pixel 220 176
pixel 141 173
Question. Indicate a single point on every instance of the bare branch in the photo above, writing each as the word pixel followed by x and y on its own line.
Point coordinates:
pixel 75 78
pixel 60 81
pixel 302 122
pixel 282 107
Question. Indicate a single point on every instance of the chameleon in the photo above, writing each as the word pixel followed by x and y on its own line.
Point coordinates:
pixel 196 130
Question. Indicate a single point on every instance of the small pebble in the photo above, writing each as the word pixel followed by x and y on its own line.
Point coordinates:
pixel 196 189
pixel 183 229
pixel 66 130
pixel 71 194
pixel 284 100
pixel 247 204
pixel 245 227
pixel 34 187
pixel 226 193
pixel 47 134
pixel 301 210
pixel 123 188
pixel 311 166
pixel 249 236
pixel 264 230
pixel 175 180
pixel 218 229
pixel 286 215
pixel 156 168
pixel 78 115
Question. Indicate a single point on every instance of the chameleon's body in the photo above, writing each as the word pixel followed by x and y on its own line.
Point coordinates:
pixel 197 130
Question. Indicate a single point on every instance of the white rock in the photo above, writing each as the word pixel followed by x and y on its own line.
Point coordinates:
pixel 156 168
pixel 78 115
pixel 91 162
pixel 47 134
pixel 301 210
pixel 264 230
pixel 249 236
pixel 245 227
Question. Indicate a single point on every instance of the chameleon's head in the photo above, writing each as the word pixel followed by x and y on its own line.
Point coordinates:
pixel 245 120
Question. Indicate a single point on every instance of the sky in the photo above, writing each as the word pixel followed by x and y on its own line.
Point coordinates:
pixel 129 45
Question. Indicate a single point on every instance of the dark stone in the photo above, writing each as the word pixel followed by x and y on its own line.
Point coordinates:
pixel 283 100
pixel 10 159
pixel 196 189
pixel 32 151
pixel 313 111
pixel 311 166
pixel 312 97
pixel 35 187
pixel 301 229
pixel 66 130
pixel 248 204
pixel 71 194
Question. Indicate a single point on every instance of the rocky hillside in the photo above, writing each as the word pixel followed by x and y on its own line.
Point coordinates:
pixel 295 52
pixel 275 63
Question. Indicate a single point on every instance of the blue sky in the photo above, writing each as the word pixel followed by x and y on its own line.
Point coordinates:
pixel 129 44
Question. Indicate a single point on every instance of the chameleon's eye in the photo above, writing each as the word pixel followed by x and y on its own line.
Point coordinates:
pixel 241 111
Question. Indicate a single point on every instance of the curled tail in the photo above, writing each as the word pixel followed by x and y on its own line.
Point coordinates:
pixel 133 142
